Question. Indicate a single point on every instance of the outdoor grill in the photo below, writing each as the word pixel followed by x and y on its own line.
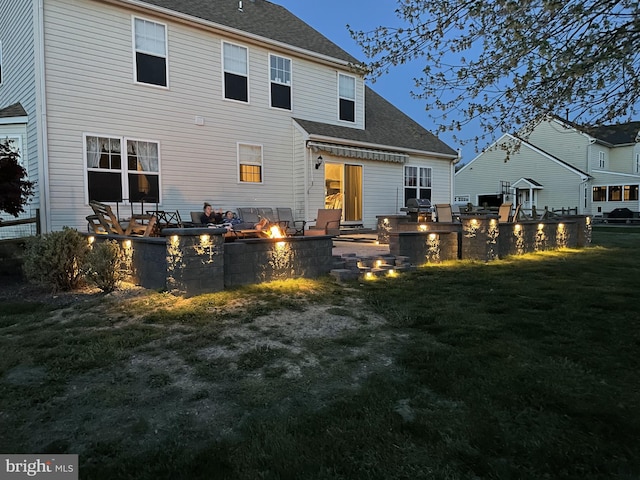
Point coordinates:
pixel 418 209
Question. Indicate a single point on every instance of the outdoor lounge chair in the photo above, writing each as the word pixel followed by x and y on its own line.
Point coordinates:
pixel 504 213
pixel 327 222
pixel 444 213
pixel 104 221
pixel 288 224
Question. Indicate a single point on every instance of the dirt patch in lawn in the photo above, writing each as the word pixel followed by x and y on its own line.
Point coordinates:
pixel 200 373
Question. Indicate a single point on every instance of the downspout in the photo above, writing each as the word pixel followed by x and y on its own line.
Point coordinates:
pixel 41 118
pixel 454 162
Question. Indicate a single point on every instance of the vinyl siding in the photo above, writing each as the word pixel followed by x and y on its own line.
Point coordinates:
pixel 562 142
pixel 91 90
pixel 484 174
pixel 18 73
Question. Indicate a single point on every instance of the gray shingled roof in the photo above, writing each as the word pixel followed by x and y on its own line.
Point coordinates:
pixel 622 134
pixel 384 125
pixel 15 110
pixel 262 18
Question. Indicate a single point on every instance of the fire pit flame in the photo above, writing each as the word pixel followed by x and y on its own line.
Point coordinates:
pixel 275 232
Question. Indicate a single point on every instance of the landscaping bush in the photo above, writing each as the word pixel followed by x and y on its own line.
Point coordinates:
pixel 105 265
pixel 56 259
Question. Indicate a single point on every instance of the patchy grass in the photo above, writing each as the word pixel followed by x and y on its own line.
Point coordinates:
pixel 522 368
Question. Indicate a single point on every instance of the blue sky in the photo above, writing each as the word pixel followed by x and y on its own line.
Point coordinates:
pixel 330 18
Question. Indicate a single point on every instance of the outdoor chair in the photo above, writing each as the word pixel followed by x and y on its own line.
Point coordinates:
pixel 504 213
pixel 104 221
pixel 444 213
pixel 288 224
pixel 327 222
pixel 249 215
pixel 268 214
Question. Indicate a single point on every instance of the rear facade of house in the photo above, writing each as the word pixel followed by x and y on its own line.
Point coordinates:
pixel 175 103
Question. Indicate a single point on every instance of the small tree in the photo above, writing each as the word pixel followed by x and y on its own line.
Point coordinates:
pixel 15 190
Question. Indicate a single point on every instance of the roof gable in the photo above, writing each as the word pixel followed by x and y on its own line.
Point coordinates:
pixel 258 17
pixel 15 110
pixel 385 125
pixel 612 135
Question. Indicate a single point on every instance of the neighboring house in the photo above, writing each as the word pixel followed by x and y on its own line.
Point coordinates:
pixel 559 165
pixel 236 103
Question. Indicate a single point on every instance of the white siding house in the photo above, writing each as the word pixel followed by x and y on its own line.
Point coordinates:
pixel 210 102
pixel 559 165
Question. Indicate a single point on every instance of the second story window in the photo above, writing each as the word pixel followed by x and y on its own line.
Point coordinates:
pixel 601 160
pixel 347 97
pixel 280 79
pixel 250 163
pixel 150 45
pixel 236 72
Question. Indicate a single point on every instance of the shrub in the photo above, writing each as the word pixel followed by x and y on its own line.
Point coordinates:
pixel 56 259
pixel 105 265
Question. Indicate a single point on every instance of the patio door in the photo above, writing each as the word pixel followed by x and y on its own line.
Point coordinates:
pixel 343 189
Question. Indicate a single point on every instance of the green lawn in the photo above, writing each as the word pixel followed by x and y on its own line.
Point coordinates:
pixel 524 368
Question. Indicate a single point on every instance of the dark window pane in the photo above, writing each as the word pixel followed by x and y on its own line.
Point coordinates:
pixel 235 87
pixel 280 96
pixel 143 187
pixel 347 110
pixel 104 186
pixel 599 194
pixel 425 193
pixel 409 193
pixel 151 69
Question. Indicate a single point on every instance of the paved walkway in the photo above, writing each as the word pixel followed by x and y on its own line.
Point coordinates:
pixel 359 244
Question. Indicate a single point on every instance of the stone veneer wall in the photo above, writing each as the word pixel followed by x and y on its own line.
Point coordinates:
pixel 191 261
pixel 484 238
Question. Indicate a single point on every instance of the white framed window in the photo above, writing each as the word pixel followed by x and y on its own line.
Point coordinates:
pixel 601 160
pixel 347 97
pixel 116 174
pixel 150 52
pixel 417 183
pixel 280 82
pixel 637 165
pixel 249 163
pixel 236 72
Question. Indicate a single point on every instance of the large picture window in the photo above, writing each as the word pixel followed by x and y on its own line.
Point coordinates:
pixel 280 80
pixel 347 97
pixel 236 72
pixel 250 163
pixel 150 45
pixel 112 170
pixel 417 183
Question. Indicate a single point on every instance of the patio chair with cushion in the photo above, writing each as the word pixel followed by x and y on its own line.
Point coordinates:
pixel 104 221
pixel 287 223
pixel 327 222
pixel 504 213
pixel 444 213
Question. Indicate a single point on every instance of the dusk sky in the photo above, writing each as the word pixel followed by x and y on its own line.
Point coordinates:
pixel 330 18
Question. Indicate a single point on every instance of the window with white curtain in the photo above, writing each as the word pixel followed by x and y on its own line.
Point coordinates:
pixel 280 80
pixel 150 48
pixel 417 183
pixel 249 163
pixel 236 72
pixel 112 171
pixel 347 97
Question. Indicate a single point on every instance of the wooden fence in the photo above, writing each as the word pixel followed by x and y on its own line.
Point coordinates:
pixel 5 224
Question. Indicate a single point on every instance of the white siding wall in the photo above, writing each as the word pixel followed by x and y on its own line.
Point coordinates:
pixel 621 159
pixel 483 176
pixel 561 142
pixel 18 67
pixel 91 90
